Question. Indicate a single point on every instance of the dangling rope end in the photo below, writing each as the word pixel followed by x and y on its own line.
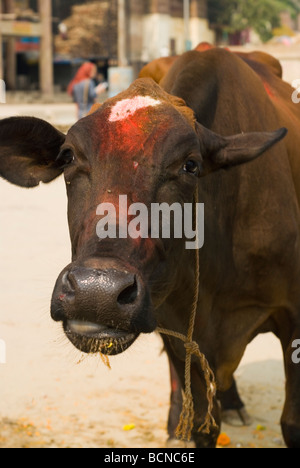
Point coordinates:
pixel 186 422
pixel 208 425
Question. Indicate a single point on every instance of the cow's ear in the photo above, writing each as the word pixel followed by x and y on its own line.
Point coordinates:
pixel 28 151
pixel 224 152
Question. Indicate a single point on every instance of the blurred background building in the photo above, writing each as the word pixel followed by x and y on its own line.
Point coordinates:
pixel 114 32
pixel 152 27
pixel 43 42
pixel 23 31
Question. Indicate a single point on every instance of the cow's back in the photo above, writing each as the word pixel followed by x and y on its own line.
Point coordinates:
pixel 158 68
pixel 232 95
pixel 288 113
pixel 250 263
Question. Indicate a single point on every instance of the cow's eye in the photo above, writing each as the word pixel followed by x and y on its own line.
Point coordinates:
pixel 65 158
pixel 192 167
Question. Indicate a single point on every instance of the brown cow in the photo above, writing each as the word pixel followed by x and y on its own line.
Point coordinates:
pixel 158 68
pixel 146 144
pixel 220 93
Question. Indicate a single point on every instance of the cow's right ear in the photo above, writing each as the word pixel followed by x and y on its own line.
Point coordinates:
pixel 28 151
pixel 225 152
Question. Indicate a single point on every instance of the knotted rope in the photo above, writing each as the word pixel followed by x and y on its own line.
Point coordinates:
pixel 186 423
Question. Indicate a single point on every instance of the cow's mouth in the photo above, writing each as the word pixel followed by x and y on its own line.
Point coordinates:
pixel 92 338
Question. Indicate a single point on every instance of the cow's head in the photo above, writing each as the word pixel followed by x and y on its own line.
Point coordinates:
pixel 144 144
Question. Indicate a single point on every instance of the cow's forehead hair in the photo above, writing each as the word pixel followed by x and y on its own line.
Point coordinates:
pixel 128 107
pixel 144 93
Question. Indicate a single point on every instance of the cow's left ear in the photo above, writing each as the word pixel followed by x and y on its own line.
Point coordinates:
pixel 224 152
pixel 28 151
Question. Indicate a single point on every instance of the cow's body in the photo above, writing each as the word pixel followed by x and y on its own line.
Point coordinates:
pixel 159 68
pixel 250 263
pixel 251 282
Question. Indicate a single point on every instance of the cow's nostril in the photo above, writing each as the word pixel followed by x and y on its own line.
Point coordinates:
pixel 68 284
pixel 68 288
pixel 129 295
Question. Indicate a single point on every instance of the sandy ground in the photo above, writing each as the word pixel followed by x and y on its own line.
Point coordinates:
pixel 57 114
pixel 47 398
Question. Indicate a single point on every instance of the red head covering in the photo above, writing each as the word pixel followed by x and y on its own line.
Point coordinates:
pixel 84 73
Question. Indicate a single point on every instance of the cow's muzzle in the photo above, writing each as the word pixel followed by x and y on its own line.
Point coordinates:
pixel 103 306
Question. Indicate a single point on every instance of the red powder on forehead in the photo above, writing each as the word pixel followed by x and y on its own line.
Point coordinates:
pixel 129 136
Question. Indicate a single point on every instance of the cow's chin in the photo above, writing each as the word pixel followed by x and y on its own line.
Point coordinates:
pixel 92 338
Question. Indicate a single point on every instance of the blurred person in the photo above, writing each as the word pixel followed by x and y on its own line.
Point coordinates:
pixel 84 90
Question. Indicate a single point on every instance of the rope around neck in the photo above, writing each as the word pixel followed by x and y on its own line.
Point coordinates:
pixel 186 423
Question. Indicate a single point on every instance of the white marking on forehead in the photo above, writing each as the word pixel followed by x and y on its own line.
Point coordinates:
pixel 128 107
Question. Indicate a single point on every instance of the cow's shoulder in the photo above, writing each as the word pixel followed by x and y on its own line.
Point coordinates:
pixel 194 70
pixel 223 91
pixel 158 68
pixel 261 60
